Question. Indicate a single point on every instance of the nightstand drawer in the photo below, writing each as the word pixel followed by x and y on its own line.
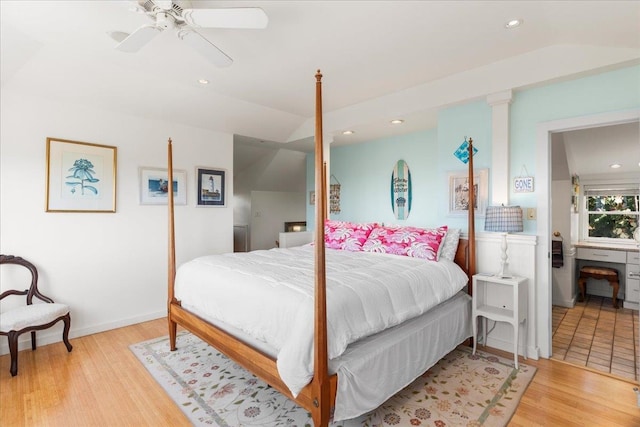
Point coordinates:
pixel 633 258
pixel 602 255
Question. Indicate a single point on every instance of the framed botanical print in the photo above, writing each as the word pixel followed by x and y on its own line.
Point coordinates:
pixel 81 176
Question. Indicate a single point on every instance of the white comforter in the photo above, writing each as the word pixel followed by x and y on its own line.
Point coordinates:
pixel 269 295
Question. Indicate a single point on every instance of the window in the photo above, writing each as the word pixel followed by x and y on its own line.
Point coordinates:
pixel 611 213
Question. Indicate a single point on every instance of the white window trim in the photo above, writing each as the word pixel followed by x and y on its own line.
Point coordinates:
pixel 583 213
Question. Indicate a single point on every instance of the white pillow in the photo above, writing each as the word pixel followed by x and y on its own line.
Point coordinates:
pixel 450 244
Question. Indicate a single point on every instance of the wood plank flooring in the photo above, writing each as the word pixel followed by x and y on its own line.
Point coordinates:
pixel 101 383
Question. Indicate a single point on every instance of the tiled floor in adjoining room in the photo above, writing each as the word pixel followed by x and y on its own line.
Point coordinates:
pixel 595 335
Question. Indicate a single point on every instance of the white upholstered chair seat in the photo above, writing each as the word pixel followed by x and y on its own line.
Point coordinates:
pixel 39 312
pixel 31 315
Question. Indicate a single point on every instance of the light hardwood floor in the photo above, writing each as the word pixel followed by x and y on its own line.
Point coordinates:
pixel 101 383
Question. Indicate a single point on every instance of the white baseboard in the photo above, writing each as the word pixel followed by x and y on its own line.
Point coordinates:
pixel 501 344
pixel 54 334
pixel 564 302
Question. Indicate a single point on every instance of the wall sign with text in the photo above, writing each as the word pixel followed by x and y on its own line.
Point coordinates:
pixel 523 184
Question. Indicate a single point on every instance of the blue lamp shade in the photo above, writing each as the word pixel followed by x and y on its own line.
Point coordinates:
pixel 505 219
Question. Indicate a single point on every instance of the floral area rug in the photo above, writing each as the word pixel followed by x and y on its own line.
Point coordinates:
pixel 460 390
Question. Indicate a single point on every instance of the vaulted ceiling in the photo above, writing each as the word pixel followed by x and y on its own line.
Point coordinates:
pixel 380 60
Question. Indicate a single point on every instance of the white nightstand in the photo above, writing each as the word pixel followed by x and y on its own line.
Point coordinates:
pixel 501 300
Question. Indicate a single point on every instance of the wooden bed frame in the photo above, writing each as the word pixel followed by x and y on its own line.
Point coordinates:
pixel 319 395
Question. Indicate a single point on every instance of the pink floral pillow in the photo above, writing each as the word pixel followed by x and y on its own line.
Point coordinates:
pixel 407 241
pixel 346 235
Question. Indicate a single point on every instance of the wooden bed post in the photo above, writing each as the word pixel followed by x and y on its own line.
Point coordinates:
pixel 173 326
pixel 472 227
pixel 320 383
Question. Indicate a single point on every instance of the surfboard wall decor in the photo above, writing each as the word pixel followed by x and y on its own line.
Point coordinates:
pixel 401 190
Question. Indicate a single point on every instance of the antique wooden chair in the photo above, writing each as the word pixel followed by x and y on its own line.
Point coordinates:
pixel 30 317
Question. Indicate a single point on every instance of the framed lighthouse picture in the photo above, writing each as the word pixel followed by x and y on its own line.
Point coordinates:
pixel 211 187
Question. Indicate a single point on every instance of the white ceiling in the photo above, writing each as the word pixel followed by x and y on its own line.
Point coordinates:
pixel 380 60
pixel 592 151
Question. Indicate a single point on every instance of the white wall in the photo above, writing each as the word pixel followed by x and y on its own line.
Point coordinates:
pixel 111 268
pixel 274 170
pixel 563 278
pixel 269 211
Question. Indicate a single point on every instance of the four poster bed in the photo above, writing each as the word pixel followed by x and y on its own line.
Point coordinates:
pixel 258 308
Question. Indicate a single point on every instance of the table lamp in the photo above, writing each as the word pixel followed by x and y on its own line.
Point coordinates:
pixel 504 219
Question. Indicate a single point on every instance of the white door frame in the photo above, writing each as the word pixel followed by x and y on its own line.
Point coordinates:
pixel 543 185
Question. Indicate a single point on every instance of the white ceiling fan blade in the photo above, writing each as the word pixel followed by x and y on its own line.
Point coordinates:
pixel 237 17
pixel 118 36
pixel 205 48
pixel 138 38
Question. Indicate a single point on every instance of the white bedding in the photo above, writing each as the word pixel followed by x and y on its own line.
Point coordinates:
pixel 269 296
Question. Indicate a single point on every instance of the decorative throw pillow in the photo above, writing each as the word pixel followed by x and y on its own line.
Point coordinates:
pixel 346 235
pixel 407 241
pixel 450 244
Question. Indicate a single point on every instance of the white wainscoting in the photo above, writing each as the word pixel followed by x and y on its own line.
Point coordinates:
pixel 521 254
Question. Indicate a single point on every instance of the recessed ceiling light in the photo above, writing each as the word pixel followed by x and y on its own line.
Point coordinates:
pixel 513 23
pixel 615 166
pixel 203 81
pixel 348 132
pixel 397 121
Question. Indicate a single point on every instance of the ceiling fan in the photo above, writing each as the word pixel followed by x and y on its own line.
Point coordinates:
pixel 177 15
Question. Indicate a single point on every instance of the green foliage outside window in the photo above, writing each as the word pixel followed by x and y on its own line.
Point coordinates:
pixel 612 216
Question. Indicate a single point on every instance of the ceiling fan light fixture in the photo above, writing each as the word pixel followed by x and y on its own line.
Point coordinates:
pixel 165 20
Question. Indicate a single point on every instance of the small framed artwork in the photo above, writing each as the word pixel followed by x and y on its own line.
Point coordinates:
pixel 211 187
pixel 81 177
pixel 154 186
pixel 459 192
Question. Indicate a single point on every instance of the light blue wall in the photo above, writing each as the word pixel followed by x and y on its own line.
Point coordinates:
pixel 311 217
pixel 364 170
pixel 472 120
pixel 364 173
pixel 607 92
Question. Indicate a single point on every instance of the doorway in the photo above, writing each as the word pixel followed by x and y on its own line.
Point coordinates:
pixel 545 135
